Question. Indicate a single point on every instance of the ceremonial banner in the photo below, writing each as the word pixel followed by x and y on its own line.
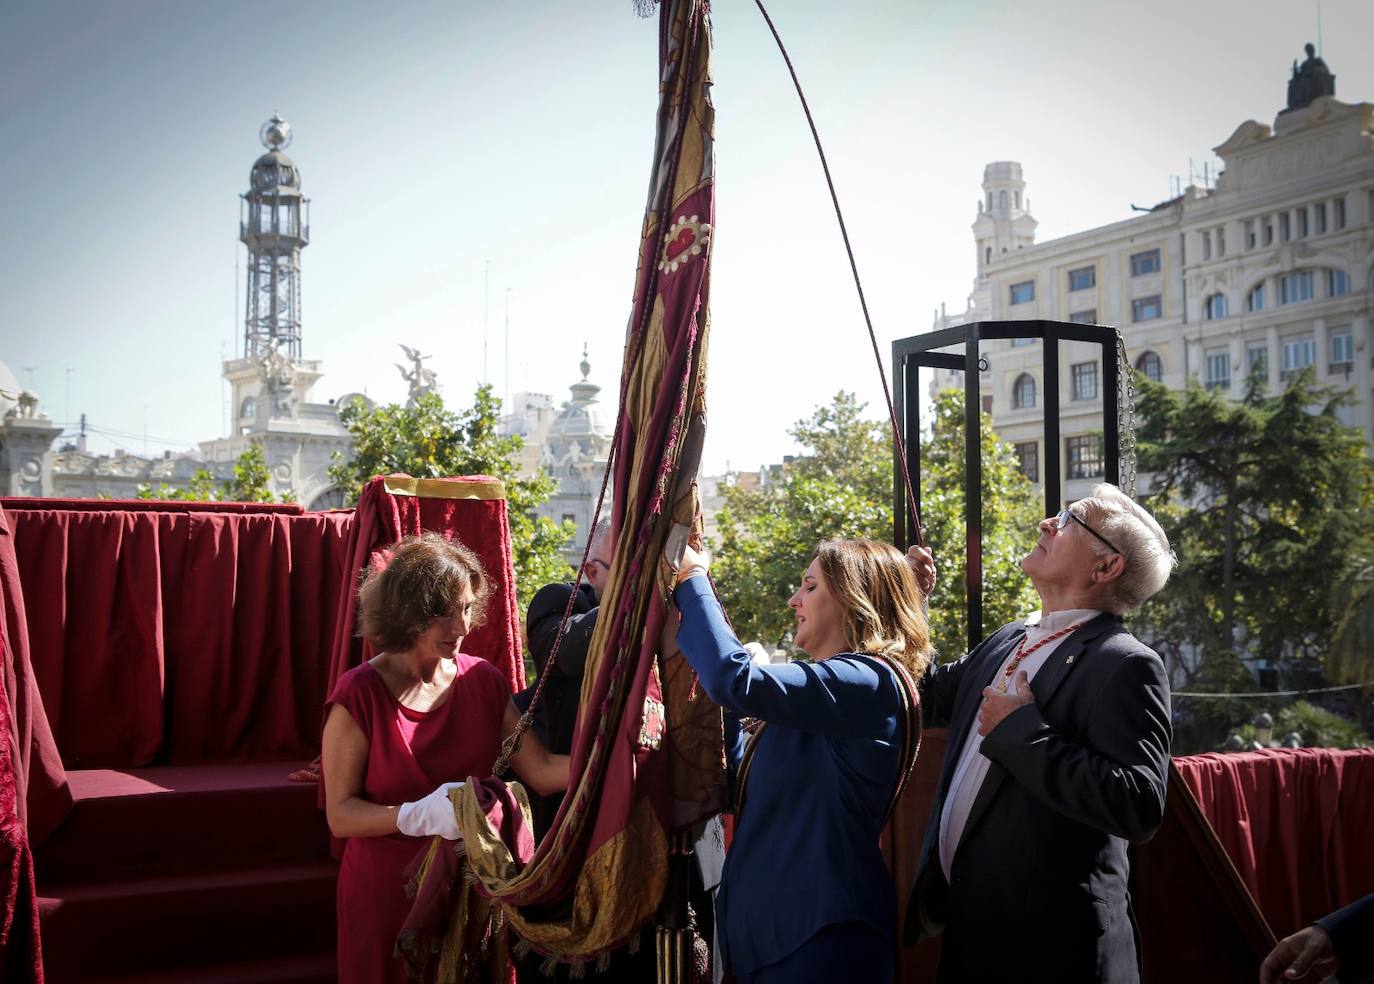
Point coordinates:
pixel 647 754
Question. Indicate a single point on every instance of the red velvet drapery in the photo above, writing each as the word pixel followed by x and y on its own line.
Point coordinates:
pixel 471 509
pixel 180 632
pixel 33 785
pixel 1295 823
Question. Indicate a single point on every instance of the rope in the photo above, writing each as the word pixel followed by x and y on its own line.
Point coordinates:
pixel 1273 693
pixel 858 285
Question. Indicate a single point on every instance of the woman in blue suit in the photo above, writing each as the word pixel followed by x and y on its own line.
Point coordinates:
pixel 806 895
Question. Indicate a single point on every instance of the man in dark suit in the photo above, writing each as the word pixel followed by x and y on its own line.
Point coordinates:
pixel 1059 731
pixel 1341 943
pixel 556 715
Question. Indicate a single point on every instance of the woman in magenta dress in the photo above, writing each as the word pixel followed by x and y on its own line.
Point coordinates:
pixel 401 729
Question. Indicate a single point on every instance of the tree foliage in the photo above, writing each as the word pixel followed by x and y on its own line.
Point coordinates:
pixel 251 483
pixel 841 486
pixel 1267 501
pixel 429 440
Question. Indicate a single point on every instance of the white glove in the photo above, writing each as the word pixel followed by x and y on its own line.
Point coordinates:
pixel 431 816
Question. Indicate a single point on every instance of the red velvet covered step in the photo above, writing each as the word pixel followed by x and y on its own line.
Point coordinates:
pixel 314 968
pixel 206 873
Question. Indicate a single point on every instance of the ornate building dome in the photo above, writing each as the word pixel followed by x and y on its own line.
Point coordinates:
pixel 582 416
pixel 274 172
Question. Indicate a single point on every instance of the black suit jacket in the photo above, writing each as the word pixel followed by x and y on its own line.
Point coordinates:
pixel 1352 934
pixel 1038 886
pixel 555 716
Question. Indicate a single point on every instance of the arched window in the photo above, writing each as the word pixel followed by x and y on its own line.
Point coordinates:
pixel 1151 366
pixel 1002 200
pixel 987 257
pixel 1023 393
pixel 1214 307
pixel 1018 199
pixel 332 498
pixel 989 201
pixel 1254 301
pixel 1296 287
pixel 248 408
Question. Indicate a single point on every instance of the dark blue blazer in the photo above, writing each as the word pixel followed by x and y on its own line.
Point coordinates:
pixel 1352 934
pixel 805 853
pixel 1039 882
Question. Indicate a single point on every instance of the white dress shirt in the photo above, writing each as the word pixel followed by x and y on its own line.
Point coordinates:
pixel 972 766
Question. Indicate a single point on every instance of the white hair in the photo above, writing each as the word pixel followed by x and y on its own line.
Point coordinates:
pixel 601 529
pixel 1141 541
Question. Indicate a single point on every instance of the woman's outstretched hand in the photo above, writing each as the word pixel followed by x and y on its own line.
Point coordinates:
pixel 922 563
pixel 684 554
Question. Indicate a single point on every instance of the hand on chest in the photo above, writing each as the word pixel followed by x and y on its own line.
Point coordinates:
pixel 1039 670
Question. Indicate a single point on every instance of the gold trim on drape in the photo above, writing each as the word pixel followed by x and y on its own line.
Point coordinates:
pixel 440 488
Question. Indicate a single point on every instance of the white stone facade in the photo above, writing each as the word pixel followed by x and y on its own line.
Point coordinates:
pixel 272 388
pixel 1270 271
pixel 571 445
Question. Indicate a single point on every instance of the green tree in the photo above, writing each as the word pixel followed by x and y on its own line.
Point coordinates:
pixel 1267 501
pixel 429 440
pixel 1350 659
pixel 841 486
pixel 252 483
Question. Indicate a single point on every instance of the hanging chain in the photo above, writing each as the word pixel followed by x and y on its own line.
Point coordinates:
pixel 1125 416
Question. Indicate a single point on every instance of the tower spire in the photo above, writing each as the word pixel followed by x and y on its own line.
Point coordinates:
pixel 274 223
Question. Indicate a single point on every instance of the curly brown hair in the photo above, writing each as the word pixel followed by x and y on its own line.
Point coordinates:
pixel 421 581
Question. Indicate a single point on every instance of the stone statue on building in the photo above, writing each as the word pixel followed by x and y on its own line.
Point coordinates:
pixel 25 405
pixel 422 380
pixel 1310 80
pixel 279 379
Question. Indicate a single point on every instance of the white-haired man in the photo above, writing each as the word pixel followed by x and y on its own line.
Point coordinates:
pixel 1058 755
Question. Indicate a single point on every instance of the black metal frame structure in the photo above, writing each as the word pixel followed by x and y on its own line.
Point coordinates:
pixel 910 355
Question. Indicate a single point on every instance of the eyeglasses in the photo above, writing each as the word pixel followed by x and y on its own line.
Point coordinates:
pixel 1062 520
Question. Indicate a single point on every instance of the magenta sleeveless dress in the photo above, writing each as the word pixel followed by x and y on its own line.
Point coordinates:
pixel 410 753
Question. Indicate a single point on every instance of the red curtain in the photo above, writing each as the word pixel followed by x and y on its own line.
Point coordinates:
pixel 471 509
pixel 1294 822
pixel 33 785
pixel 180 632
pixel 42 795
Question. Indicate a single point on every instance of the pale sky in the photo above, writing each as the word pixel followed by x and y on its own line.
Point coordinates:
pixel 434 136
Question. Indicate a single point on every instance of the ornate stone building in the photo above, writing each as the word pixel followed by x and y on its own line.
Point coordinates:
pixel 271 382
pixel 1265 274
pixel 572 445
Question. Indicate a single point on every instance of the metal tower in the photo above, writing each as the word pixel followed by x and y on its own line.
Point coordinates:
pixel 274 223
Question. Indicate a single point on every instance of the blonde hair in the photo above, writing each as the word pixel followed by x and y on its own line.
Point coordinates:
pixel 883 613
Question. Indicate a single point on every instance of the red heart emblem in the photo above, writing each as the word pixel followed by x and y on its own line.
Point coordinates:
pixel 681 244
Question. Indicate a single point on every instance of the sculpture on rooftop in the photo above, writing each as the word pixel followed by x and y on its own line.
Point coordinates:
pixel 422 380
pixel 1310 80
